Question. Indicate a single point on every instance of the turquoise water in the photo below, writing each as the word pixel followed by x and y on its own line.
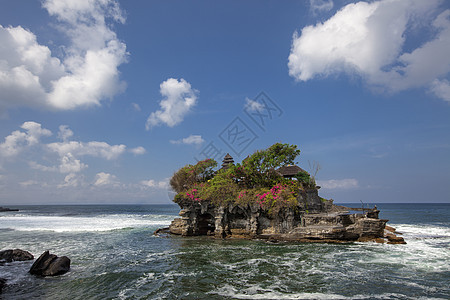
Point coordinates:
pixel 115 256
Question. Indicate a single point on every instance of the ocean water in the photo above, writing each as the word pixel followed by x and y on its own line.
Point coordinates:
pixel 115 256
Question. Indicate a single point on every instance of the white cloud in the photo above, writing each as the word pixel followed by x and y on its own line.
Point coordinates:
pixel 69 164
pixel 190 140
pixel 368 39
pixel 36 166
pixel 86 73
pixel 441 88
pixel 73 180
pixel 68 152
pixel 318 6
pixel 178 100
pixel 94 148
pixel 332 184
pixel 155 184
pixel 136 106
pixel 64 132
pixel 138 150
pixel 28 183
pixel 18 140
pixel 102 179
pixel 252 105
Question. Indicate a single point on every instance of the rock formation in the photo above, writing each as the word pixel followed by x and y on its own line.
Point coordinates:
pixel 2 284
pixel 15 255
pixel 50 265
pixel 314 219
pixel 265 197
pixel 7 209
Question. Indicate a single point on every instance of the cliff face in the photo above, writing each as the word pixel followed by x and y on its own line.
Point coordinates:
pixel 312 219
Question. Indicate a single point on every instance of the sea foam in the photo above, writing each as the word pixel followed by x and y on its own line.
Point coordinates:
pixel 22 222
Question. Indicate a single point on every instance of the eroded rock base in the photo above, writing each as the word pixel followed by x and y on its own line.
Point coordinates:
pixel 313 220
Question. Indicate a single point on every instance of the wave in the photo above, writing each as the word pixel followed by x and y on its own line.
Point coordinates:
pixel 23 222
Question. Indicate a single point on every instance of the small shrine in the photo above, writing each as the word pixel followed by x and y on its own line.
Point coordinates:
pixel 290 171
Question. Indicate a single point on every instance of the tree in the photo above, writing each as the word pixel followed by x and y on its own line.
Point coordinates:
pixel 189 175
pixel 259 169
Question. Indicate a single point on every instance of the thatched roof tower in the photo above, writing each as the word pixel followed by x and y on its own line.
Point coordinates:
pixel 227 160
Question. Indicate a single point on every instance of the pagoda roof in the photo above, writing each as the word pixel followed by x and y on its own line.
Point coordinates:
pixel 228 157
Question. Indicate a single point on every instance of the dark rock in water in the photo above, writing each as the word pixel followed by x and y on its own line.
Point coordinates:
pixel 50 265
pixel 15 255
pixel 393 239
pixel 8 209
pixel 2 284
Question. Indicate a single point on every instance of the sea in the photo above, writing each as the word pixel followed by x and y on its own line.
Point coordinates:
pixel 114 255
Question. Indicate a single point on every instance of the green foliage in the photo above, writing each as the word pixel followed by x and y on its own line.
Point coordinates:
pixel 189 175
pixel 258 170
pixel 303 177
pixel 254 181
pixel 221 188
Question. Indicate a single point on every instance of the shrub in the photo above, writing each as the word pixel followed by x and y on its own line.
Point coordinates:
pixel 189 175
pixel 254 181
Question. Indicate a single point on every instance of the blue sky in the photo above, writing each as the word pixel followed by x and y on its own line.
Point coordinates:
pixel 101 100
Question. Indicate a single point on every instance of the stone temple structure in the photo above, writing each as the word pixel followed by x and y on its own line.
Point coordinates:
pixel 313 219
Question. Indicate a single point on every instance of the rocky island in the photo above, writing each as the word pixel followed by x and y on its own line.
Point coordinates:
pixel 266 196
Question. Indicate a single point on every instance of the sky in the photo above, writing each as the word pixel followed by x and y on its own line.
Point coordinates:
pixel 101 101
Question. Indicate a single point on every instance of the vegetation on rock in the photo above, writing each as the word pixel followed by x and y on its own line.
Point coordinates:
pixel 253 181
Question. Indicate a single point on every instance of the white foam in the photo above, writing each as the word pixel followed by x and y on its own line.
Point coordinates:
pixel 22 222
pixel 426 249
pixel 257 292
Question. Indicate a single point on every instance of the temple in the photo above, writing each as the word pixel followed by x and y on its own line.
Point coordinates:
pixel 312 218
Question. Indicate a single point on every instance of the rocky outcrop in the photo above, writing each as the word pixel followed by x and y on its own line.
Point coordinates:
pixel 2 284
pixel 50 265
pixel 314 219
pixel 7 209
pixel 391 234
pixel 15 255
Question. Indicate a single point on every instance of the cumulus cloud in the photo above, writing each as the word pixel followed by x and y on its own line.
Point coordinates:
pixel 87 72
pixel 155 184
pixel 73 180
pixel 441 88
pixel 67 151
pixel 252 105
pixel 318 6
pixel 64 132
pixel 69 164
pixel 94 148
pixel 332 184
pixel 368 39
pixel 102 179
pixel 138 150
pixel 18 140
pixel 179 98
pixel 190 140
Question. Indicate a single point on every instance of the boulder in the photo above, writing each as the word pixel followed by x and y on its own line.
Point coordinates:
pixel 15 255
pixel 50 265
pixel 2 284
pixel 393 239
pixel 176 227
